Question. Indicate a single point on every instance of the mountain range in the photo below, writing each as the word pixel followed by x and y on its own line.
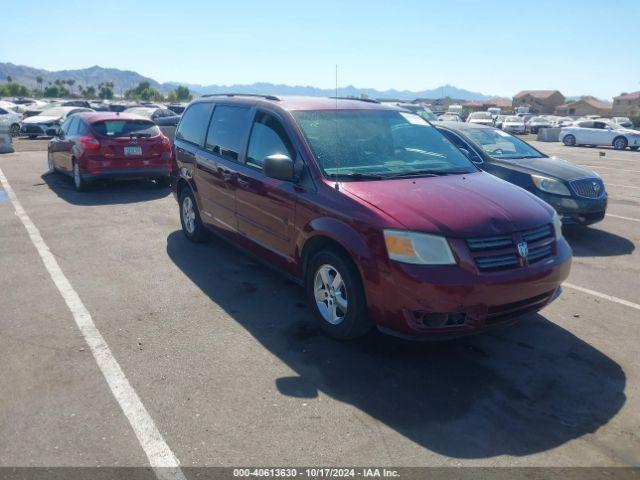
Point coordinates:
pixel 126 79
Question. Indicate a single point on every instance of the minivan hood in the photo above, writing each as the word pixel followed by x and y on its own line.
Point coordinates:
pixel 552 167
pixel 456 206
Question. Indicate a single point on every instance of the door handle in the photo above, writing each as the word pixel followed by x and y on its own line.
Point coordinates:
pixel 242 183
pixel 228 176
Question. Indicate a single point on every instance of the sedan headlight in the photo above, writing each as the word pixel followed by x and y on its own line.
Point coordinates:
pixel 418 248
pixel 550 185
pixel 557 225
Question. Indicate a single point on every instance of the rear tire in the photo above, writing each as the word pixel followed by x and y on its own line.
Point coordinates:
pixel 192 226
pixel 79 183
pixel 569 141
pixel 336 296
pixel 50 164
pixel 620 143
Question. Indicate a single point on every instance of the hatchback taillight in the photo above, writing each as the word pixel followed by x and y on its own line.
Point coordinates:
pixel 89 142
pixel 166 144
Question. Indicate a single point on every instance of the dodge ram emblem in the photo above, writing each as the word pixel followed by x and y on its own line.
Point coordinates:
pixel 523 249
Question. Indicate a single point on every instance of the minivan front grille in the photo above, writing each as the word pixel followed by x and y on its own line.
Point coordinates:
pixel 500 252
pixel 588 187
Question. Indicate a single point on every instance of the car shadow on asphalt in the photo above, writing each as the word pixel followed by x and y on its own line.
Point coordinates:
pixel 593 242
pixel 103 192
pixel 516 391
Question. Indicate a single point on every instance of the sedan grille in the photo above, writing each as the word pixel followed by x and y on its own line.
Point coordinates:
pixel 500 252
pixel 588 187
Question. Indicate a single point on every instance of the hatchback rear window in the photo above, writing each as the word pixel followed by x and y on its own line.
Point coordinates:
pixel 125 128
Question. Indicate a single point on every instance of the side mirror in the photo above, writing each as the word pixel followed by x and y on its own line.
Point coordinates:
pixel 279 166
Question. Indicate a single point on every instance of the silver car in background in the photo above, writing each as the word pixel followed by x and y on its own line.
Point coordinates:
pixel 514 124
pixel 600 133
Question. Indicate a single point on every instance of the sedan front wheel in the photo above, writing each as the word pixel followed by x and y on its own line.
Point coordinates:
pixel 620 143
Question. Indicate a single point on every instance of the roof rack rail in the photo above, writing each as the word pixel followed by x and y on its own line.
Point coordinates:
pixel 266 97
pixel 360 99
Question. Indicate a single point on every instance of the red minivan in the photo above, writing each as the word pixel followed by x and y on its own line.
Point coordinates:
pixel 103 145
pixel 372 209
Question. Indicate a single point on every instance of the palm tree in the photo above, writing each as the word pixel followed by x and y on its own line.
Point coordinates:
pixel 9 79
pixel 39 81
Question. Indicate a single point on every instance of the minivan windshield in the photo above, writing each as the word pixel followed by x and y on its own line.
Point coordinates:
pixel 376 144
pixel 499 144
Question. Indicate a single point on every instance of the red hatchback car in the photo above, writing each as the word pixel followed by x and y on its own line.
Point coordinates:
pixel 98 145
pixel 380 217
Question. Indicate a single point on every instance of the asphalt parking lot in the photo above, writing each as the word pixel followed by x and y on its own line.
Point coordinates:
pixel 222 353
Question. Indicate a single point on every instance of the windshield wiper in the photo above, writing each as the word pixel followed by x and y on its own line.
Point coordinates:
pixel 424 173
pixel 359 176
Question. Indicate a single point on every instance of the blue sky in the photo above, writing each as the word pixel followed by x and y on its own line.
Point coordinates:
pixel 495 47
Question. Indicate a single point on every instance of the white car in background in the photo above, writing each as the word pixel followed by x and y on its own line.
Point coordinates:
pixel 481 118
pixel 38 125
pixel 563 122
pixel 513 124
pixel 10 119
pixel 449 117
pixel 536 123
pixel 600 133
pixel 623 122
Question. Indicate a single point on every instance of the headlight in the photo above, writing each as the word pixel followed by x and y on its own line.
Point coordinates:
pixel 557 225
pixel 418 248
pixel 550 185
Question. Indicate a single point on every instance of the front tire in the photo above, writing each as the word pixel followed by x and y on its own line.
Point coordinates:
pixel 336 296
pixel 192 226
pixel 620 143
pixel 569 140
pixel 80 184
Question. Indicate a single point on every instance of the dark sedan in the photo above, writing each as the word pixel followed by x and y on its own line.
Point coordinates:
pixel 577 194
pixel 163 117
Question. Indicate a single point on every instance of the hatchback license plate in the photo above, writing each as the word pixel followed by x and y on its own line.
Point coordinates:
pixel 133 150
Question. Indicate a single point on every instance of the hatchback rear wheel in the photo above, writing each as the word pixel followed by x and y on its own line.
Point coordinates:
pixel 336 296
pixel 79 183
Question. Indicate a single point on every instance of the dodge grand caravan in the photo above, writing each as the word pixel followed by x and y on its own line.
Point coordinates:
pixel 372 209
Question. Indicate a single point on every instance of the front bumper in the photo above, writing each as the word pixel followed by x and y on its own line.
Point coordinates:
pixel 450 301
pixel 34 129
pixel 576 210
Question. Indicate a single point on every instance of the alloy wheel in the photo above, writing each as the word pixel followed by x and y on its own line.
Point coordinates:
pixel 188 215
pixel 330 294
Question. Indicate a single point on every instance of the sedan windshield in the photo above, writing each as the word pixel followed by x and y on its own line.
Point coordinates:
pixel 481 116
pixel 513 119
pixel 55 112
pixel 499 144
pixel 373 144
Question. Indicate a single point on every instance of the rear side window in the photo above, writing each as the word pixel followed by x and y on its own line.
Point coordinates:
pixel 267 138
pixel 195 120
pixel 228 128
pixel 82 128
pixel 72 127
pixel 586 124
pixel 125 128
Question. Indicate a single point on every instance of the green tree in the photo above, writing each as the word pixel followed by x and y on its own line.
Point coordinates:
pixel 14 90
pixel 9 79
pixel 71 82
pixel 89 92
pixel 56 91
pixel 180 94
pixel 105 90
pixel 144 91
pixel 39 81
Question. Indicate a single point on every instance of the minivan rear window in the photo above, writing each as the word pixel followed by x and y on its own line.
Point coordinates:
pixel 125 128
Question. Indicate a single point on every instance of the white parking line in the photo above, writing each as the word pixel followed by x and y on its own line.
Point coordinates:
pixel 165 464
pixel 623 218
pixel 611 298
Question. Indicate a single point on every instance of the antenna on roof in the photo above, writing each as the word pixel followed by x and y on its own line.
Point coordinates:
pixel 336 186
